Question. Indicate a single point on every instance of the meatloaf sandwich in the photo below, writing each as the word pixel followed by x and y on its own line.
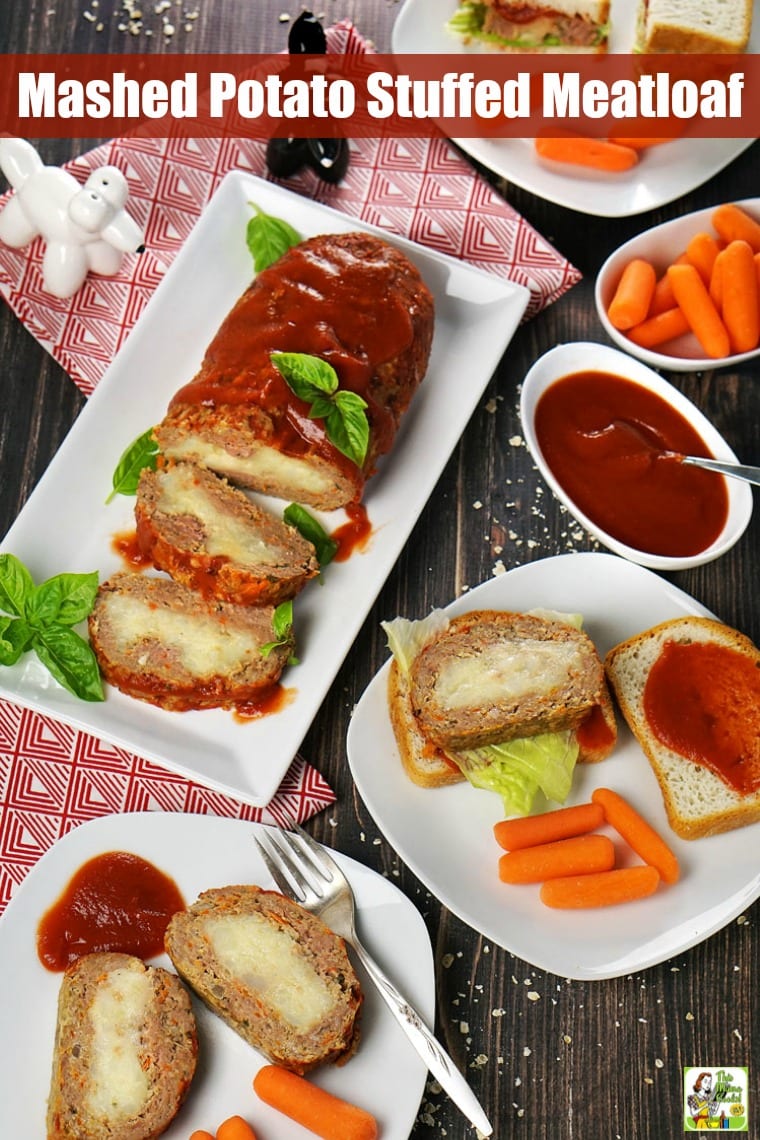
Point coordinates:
pixel 272 971
pixel 160 642
pixel 352 301
pixel 509 701
pixel 125 1050
pixel 211 537
pixel 510 25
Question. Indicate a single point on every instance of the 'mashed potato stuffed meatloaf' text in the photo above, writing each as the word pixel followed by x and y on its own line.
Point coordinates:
pixel 351 300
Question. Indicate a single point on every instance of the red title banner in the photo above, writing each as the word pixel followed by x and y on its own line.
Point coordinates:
pixel 406 96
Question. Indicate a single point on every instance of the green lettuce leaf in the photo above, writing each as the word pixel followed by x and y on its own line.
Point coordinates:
pixel 406 638
pixel 518 769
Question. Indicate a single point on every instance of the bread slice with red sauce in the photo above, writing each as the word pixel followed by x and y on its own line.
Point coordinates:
pixel 211 537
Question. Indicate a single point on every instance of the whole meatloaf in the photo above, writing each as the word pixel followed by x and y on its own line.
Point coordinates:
pixel 161 642
pixel 354 301
pixel 211 537
pixel 494 675
pixel 272 971
pixel 125 1050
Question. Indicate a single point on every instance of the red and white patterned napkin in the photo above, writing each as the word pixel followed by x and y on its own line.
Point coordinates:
pixel 53 777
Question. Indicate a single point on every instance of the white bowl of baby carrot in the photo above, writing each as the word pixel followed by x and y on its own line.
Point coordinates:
pixel 685 295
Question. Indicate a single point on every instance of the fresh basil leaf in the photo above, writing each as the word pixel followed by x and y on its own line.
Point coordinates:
pixel 312 530
pixel 16 585
pixel 308 376
pixel 347 426
pixel 282 627
pixel 141 453
pixel 15 637
pixel 316 382
pixel 268 238
pixel 65 598
pixel 70 659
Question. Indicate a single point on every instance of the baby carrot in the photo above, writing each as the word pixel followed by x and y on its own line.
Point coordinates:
pixel 663 297
pixel 324 1114
pixel 741 315
pixel 659 329
pixel 734 223
pixel 637 833
pixel 630 303
pixel 201 1134
pixel 580 855
pixel 701 252
pixel 579 150
pixel 716 283
pixel 695 304
pixel 640 143
pixel 604 889
pixel 513 834
pixel 235 1128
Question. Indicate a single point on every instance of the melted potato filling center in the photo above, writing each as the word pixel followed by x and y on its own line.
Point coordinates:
pixel 265 958
pixel 503 672
pixel 118 1083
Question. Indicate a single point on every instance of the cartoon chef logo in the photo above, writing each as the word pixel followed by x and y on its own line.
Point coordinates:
pixel 716 1100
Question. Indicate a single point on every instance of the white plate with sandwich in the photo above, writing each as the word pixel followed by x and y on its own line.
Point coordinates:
pixel 664 172
pixel 476 315
pixel 445 834
pixel 199 852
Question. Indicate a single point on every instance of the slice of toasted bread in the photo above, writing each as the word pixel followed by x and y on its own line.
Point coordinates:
pixel 698 801
pixel 125 1050
pixel 493 676
pixel 211 537
pixel 425 764
pixel 273 971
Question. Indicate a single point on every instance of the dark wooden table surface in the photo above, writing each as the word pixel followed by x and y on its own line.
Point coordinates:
pixel 588 1061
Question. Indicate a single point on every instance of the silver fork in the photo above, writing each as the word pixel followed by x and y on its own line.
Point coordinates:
pixel 305 872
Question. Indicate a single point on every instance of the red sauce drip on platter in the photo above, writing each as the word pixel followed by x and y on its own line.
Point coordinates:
pixel 594 733
pixel 703 702
pixel 352 535
pixel 116 901
pixel 273 699
pixel 614 447
pixel 127 545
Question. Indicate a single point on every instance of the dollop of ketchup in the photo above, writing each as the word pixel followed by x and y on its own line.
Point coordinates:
pixel 703 701
pixel 615 447
pixel 116 901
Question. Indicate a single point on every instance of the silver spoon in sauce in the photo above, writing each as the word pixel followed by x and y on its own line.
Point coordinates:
pixel 735 470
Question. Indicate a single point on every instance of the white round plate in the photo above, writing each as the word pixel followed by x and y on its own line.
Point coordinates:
pixel 200 852
pixel 445 834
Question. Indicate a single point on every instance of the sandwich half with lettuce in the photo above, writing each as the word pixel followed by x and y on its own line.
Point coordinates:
pixel 509 701
pixel 565 25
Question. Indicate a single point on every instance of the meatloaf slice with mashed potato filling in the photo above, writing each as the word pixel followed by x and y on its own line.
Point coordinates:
pixel 160 642
pixel 272 971
pixel 353 301
pixel 491 676
pixel 125 1050
pixel 212 538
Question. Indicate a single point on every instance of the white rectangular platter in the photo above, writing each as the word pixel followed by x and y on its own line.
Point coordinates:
pixel 66 526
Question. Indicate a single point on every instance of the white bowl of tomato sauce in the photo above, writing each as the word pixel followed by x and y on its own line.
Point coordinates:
pixel 606 432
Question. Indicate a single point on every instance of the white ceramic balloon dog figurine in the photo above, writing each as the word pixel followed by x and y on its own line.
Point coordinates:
pixel 84 227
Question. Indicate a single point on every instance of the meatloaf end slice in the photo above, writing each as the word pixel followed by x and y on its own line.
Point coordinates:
pixel 125 1050
pixel 161 642
pixel 273 971
pixel 492 676
pixel 212 538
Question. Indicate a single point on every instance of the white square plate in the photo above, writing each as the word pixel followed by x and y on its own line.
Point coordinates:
pixel 446 834
pixel 663 174
pixel 65 525
pixel 199 852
